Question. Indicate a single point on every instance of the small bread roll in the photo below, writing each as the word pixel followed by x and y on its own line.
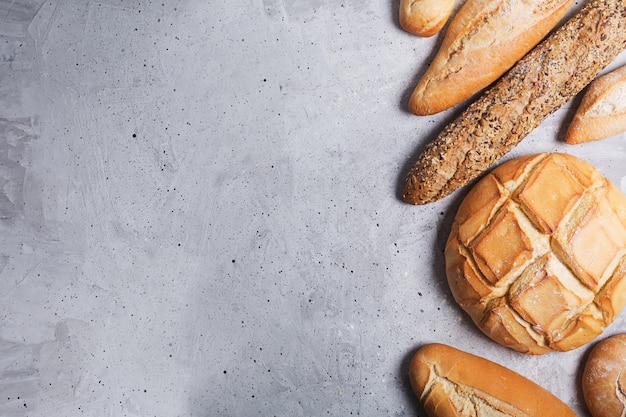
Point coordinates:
pixel 537 253
pixel 424 17
pixel 602 111
pixel 604 378
pixel 453 383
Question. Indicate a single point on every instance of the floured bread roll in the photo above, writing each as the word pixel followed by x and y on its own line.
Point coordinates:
pixel 537 253
pixel 602 111
pixel 604 378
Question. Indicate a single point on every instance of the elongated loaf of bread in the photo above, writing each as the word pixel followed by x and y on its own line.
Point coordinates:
pixel 483 40
pixel 602 111
pixel 453 383
pixel 424 17
pixel 539 84
pixel 604 378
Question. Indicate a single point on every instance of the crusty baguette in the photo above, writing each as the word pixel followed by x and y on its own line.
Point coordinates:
pixel 602 111
pixel 539 84
pixel 484 39
pixel 453 383
pixel 425 17
pixel 604 378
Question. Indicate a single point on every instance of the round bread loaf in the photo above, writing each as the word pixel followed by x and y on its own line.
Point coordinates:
pixel 604 378
pixel 537 253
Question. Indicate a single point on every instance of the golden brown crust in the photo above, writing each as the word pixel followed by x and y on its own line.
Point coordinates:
pixel 425 17
pixel 484 39
pixel 537 253
pixel 602 111
pixel 453 383
pixel 540 83
pixel 604 378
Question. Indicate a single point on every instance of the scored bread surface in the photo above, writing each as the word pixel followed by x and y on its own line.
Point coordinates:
pixel 537 253
pixel 484 39
pixel 453 383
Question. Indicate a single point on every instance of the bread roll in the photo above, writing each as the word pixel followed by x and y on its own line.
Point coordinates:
pixel 424 17
pixel 453 383
pixel 484 39
pixel 540 83
pixel 602 111
pixel 604 378
pixel 537 253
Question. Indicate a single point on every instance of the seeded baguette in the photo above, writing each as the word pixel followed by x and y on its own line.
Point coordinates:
pixel 540 83
pixel 453 383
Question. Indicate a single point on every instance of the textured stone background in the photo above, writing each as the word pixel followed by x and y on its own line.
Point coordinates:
pixel 199 211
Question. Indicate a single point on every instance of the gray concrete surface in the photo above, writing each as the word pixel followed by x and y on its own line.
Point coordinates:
pixel 200 217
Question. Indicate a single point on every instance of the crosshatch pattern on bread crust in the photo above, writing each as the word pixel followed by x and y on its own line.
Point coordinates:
pixel 537 253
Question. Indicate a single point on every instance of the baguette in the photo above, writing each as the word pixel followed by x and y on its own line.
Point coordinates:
pixel 602 111
pixel 453 383
pixel 484 40
pixel 540 83
pixel 604 378
pixel 424 17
